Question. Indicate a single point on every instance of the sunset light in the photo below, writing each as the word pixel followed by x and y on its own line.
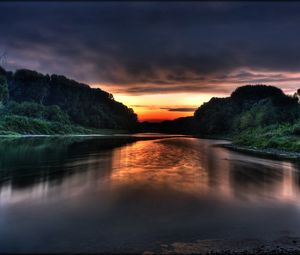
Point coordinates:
pixel 160 107
pixel 149 127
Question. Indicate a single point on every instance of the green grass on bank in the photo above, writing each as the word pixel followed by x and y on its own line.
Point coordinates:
pixel 21 125
pixel 277 136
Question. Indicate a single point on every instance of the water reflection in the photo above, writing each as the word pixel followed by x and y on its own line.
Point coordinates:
pixel 33 167
pixel 130 194
pixel 37 167
pixel 195 166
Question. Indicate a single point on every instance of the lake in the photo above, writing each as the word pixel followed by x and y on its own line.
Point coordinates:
pixel 113 194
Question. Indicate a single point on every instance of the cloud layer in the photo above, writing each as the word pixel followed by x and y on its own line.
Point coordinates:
pixel 164 47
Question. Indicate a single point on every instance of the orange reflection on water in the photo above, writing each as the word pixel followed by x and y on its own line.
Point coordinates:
pixel 188 165
pixel 290 189
pixel 158 164
pixel 197 167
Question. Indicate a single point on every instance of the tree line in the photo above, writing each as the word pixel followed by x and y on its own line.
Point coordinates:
pixel 55 97
pixel 247 107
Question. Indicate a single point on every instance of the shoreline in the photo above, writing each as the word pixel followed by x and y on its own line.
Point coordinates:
pixel 266 153
pixel 270 153
pixel 131 136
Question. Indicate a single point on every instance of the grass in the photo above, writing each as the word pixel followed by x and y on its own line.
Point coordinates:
pixel 14 125
pixel 278 136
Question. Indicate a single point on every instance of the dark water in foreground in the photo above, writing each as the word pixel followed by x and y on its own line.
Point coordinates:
pixel 106 195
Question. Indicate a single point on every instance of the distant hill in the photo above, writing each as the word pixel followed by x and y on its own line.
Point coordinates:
pixel 82 105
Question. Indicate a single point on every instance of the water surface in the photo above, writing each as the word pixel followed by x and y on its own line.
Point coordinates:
pixel 112 195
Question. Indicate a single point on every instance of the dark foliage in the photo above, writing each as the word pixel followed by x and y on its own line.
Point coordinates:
pixel 247 107
pixel 3 91
pixel 38 111
pixel 2 72
pixel 250 106
pixel 184 125
pixel 255 93
pixel 215 116
pixel 84 105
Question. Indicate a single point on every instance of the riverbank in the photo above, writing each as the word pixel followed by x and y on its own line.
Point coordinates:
pixel 280 141
pixel 272 153
pixel 113 139
pixel 22 126
pixel 267 153
pixel 92 133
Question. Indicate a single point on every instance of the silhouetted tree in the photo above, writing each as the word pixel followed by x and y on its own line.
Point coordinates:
pixel 3 91
pixel 247 107
pixel 84 105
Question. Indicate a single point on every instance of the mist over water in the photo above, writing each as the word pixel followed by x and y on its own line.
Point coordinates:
pixel 109 195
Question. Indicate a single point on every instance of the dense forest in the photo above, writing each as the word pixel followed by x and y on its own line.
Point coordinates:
pixel 33 103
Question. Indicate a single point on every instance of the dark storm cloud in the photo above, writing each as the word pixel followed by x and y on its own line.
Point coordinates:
pixel 149 47
pixel 180 109
pixel 170 108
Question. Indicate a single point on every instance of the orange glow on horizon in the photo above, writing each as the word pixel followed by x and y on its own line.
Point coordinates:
pixel 160 115
pixel 156 107
pixel 159 107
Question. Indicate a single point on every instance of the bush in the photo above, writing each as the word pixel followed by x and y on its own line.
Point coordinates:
pixel 14 124
pixel 34 110
pixel 277 136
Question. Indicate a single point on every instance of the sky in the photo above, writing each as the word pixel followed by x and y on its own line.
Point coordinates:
pixel 163 59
